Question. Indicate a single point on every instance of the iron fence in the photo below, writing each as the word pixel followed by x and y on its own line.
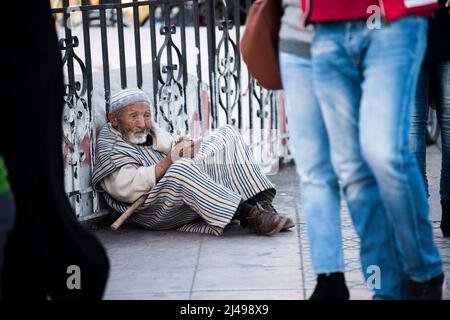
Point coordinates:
pixel 184 54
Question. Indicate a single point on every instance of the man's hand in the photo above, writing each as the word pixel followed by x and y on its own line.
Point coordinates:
pixel 185 147
pixel 447 5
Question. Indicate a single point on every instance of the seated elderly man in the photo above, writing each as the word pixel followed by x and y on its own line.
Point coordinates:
pixel 199 191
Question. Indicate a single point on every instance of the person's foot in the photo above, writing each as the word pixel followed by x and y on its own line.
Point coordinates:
pixel 330 286
pixel 445 220
pixel 264 222
pixel 267 205
pixel 428 290
pixel 289 224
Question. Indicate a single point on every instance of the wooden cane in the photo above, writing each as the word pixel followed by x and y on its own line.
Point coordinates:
pixel 124 216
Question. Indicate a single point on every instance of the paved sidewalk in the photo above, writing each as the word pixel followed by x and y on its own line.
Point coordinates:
pixel 238 265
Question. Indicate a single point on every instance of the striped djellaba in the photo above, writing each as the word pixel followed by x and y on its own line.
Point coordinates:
pixel 195 195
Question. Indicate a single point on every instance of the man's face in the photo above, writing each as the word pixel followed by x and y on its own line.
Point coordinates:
pixel 134 122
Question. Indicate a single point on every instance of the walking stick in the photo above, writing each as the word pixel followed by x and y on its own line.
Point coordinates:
pixel 124 216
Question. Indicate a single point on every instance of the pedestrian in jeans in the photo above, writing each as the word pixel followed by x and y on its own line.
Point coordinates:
pixel 365 80
pixel 6 212
pixel 435 74
pixel 318 181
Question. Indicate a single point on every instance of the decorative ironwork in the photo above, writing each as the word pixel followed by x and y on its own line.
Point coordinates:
pixel 171 91
pixel 227 67
pixel 76 120
pixel 179 89
pixel 268 126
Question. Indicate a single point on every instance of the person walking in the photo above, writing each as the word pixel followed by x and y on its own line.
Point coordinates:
pixel 434 80
pixel 318 182
pixel 365 79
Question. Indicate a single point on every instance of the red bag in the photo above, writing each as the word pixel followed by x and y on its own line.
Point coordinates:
pixel 259 44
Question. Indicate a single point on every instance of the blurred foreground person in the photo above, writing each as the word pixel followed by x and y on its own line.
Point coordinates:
pixel 6 211
pixel 47 241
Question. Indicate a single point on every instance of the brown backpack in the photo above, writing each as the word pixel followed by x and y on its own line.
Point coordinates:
pixel 259 44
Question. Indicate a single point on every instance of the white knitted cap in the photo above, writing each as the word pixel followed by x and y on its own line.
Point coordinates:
pixel 126 97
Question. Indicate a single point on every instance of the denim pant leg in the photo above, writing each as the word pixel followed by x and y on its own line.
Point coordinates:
pixel 318 182
pixel 391 66
pixel 337 84
pixel 442 81
pixel 419 117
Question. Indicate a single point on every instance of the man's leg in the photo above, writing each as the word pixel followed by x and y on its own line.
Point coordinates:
pixel 419 118
pixel 441 75
pixel 318 181
pixel 391 69
pixel 228 160
pixel 186 193
pixel 337 84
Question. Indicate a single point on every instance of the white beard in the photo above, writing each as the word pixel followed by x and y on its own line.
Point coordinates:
pixel 134 138
pixel 137 138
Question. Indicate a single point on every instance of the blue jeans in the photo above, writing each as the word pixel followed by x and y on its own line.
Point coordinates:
pixel 365 81
pixel 439 74
pixel 318 181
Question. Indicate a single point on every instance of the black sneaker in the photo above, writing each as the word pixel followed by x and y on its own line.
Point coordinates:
pixel 428 290
pixel 330 287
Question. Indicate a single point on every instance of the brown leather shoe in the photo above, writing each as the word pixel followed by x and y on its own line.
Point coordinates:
pixel 289 224
pixel 265 222
pixel 267 205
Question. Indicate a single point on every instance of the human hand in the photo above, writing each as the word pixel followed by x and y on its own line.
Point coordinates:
pixel 185 147
pixel 447 5
pixel 181 139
